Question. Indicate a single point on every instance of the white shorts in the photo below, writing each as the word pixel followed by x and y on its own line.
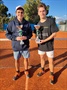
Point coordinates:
pixel 49 54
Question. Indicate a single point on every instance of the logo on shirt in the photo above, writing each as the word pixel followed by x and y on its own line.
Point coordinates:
pixel 45 34
pixel 45 27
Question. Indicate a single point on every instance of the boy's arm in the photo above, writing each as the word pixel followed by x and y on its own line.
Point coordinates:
pixel 9 33
pixel 49 38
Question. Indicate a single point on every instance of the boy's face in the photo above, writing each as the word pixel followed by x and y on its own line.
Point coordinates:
pixel 20 14
pixel 41 12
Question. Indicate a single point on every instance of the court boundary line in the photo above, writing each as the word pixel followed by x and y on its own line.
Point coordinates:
pixel 5 39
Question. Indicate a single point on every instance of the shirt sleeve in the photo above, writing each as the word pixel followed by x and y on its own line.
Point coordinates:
pixel 54 27
pixel 9 33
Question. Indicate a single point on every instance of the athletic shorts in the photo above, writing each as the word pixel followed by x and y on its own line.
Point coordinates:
pixel 24 53
pixel 49 54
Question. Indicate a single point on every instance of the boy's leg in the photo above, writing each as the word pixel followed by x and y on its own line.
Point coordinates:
pixel 42 61
pixel 51 64
pixel 51 67
pixel 26 67
pixel 17 65
pixel 26 63
pixel 41 53
pixel 26 56
pixel 50 55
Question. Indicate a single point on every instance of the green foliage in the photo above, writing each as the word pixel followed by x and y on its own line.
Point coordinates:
pixel 3 10
pixel 11 18
pixel 4 17
pixel 31 10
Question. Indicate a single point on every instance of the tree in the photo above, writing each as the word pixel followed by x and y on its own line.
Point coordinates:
pixel 11 18
pixel 3 10
pixel 4 17
pixel 31 10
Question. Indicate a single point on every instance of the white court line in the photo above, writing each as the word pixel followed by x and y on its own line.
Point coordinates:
pixel 4 39
pixel 60 38
pixel 26 84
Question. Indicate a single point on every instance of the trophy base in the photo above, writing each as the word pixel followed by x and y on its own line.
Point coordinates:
pixel 21 42
pixel 37 40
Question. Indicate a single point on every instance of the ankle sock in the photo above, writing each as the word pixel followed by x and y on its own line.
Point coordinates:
pixel 42 69
pixel 18 71
pixel 51 73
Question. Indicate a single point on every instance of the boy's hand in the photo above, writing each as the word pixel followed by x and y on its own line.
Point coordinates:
pixel 21 38
pixel 24 37
pixel 41 41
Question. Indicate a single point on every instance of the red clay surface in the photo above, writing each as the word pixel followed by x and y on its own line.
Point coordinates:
pixel 7 68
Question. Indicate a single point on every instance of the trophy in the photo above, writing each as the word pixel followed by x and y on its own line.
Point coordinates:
pixel 20 33
pixel 37 32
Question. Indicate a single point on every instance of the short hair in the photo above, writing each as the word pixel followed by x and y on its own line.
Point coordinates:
pixel 43 5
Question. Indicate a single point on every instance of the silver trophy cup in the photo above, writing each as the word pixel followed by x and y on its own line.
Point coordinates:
pixel 20 33
pixel 37 32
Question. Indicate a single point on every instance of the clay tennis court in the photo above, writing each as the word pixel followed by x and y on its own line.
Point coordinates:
pixel 7 69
